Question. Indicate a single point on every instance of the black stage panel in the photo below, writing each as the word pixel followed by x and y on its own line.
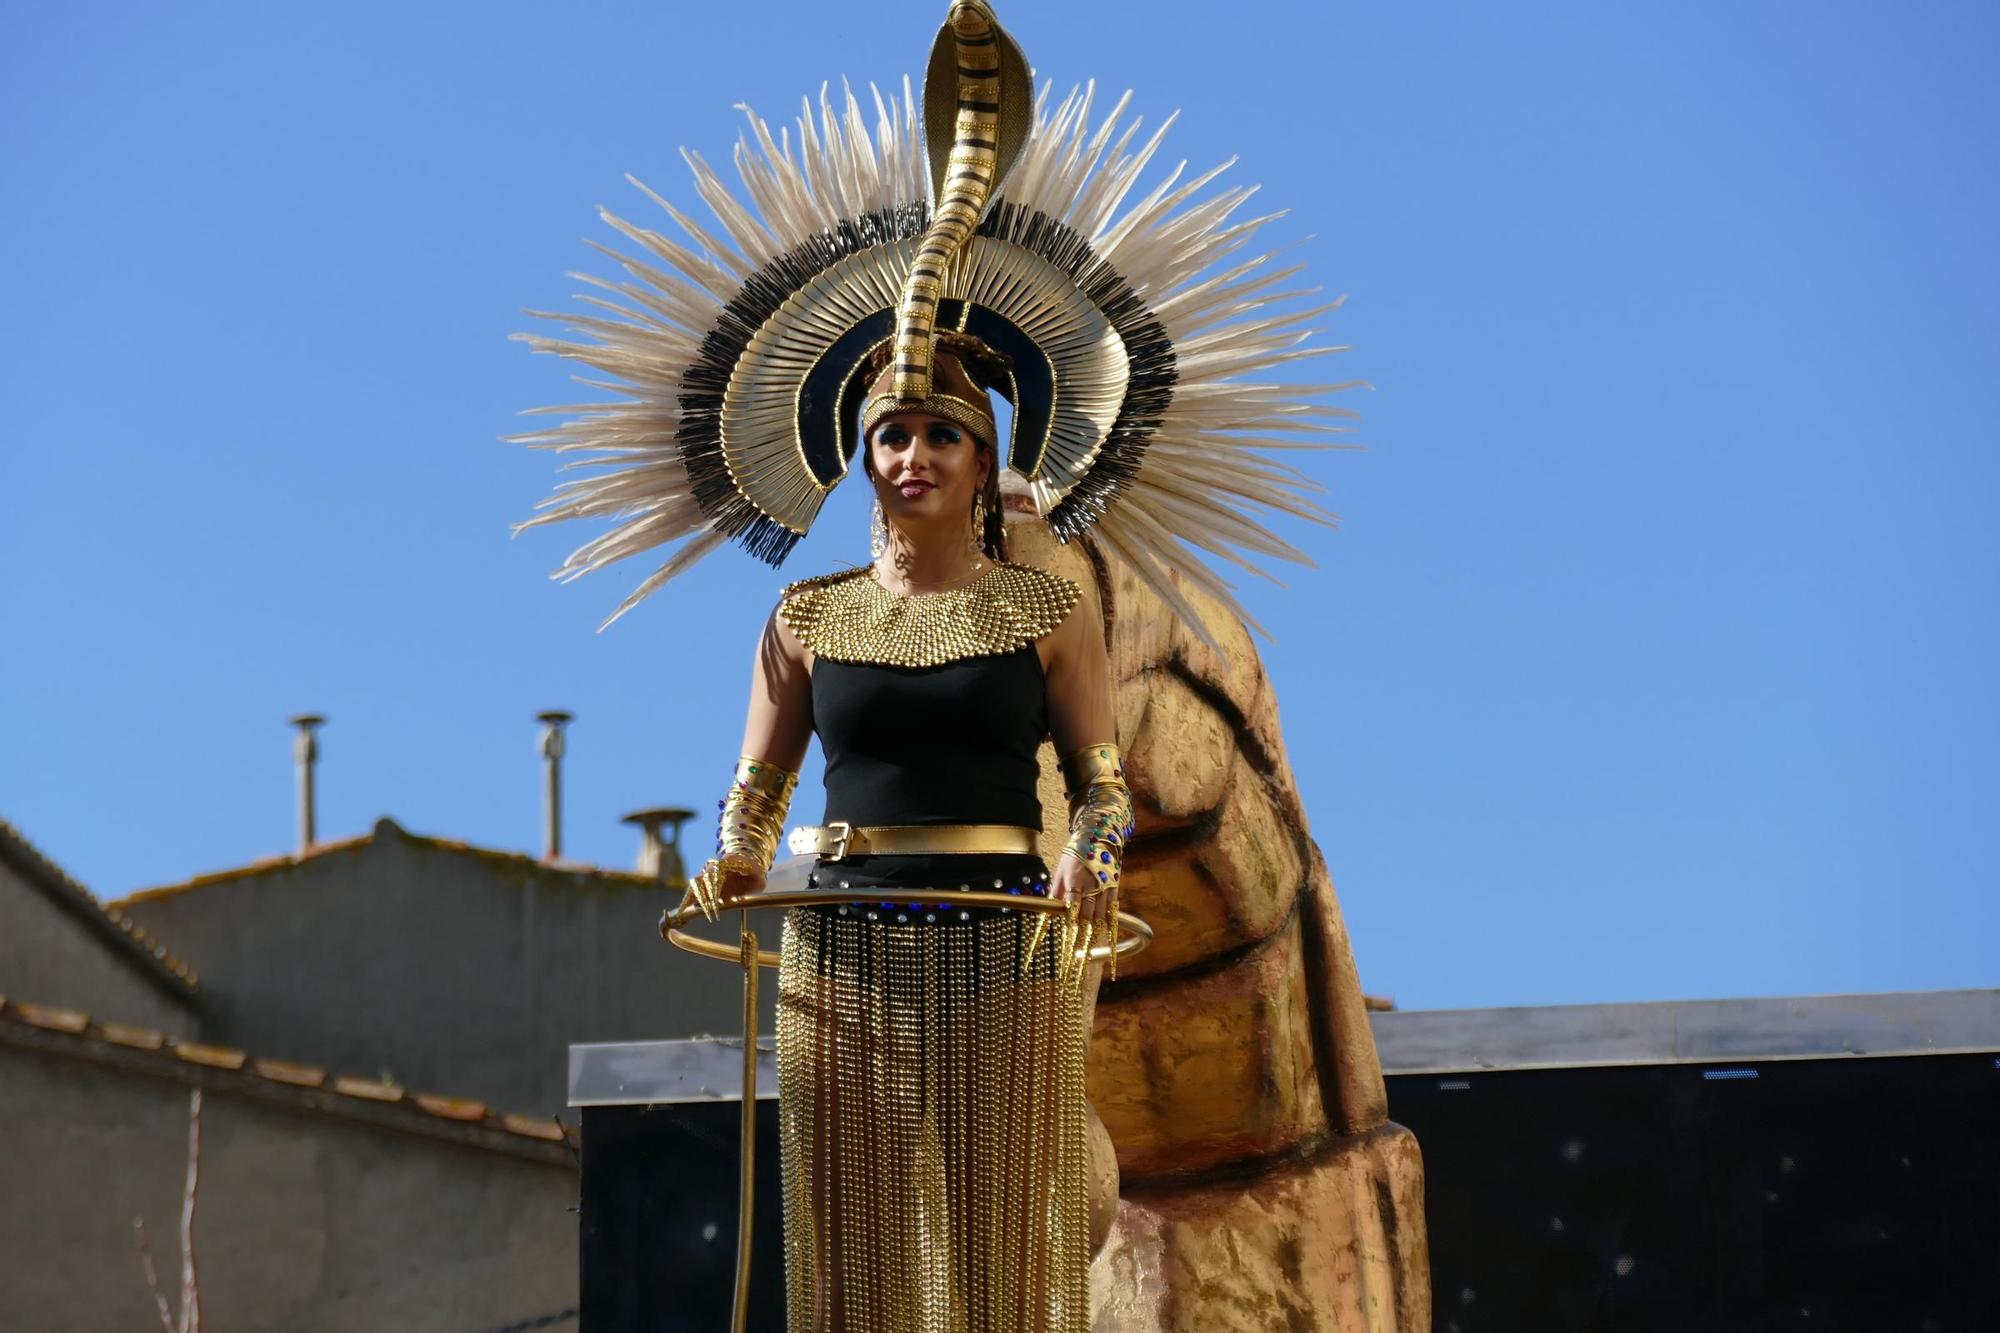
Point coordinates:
pixel 1794 1194
pixel 659 1219
pixel 1857 1194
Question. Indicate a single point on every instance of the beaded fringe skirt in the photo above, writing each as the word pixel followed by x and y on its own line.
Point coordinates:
pixel 932 1127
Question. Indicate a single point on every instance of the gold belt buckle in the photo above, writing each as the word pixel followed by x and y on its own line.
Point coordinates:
pixel 842 831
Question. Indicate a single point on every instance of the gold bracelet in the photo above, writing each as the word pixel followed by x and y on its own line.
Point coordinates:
pixel 1100 818
pixel 753 817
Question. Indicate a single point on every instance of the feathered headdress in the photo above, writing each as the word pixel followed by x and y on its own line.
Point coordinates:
pixel 1137 333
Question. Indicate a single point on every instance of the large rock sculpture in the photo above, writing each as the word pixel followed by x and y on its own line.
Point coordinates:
pixel 1263 1186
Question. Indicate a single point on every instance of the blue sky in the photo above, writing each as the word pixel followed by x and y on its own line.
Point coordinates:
pixel 1655 658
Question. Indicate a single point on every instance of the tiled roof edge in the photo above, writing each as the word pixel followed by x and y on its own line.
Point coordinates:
pixel 309 1087
pixel 161 967
pixel 261 866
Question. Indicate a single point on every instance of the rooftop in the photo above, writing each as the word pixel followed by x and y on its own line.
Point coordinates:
pixel 76 1035
pixel 106 921
pixel 386 828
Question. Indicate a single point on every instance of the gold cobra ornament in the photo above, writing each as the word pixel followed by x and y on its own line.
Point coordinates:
pixel 977 84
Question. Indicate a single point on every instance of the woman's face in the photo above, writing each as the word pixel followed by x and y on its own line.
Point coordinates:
pixel 927 469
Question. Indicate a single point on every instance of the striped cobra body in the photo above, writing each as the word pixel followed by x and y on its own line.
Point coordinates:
pixel 968 182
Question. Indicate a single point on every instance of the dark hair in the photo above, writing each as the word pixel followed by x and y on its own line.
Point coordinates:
pixel 994 539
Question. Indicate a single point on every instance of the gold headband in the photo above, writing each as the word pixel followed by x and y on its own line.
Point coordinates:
pixel 971 416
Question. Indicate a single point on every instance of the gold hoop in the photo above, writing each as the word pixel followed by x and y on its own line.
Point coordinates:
pixel 1133 934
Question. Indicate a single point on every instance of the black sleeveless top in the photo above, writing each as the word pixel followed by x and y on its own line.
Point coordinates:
pixel 950 744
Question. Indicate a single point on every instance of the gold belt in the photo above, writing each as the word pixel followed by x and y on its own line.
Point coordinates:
pixel 837 840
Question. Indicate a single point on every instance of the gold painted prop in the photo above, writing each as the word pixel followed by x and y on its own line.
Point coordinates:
pixel 1232 1062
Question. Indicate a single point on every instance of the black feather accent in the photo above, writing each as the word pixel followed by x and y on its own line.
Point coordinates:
pixel 1148 349
pixel 706 379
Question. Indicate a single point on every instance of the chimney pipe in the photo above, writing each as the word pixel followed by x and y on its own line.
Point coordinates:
pixel 661 857
pixel 553 721
pixel 305 750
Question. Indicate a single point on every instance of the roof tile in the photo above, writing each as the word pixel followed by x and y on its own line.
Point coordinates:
pixel 533 1127
pixel 215 1057
pixel 374 1090
pixel 125 1034
pixel 452 1108
pixel 54 1018
pixel 284 1071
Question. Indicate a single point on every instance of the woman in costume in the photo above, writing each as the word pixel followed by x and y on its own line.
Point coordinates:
pixel 931 1055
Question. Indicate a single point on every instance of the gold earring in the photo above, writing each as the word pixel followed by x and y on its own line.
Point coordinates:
pixel 978 542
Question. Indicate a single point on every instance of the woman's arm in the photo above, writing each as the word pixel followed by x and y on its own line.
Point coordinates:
pixel 775 734
pixel 1080 715
pixel 780 719
pixel 1079 681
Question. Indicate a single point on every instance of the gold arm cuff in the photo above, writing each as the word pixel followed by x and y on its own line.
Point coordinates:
pixel 746 839
pixel 761 775
pixel 1093 763
pixel 1100 821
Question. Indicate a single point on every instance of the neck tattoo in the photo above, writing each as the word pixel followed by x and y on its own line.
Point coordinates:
pixel 901 559
pixel 902 584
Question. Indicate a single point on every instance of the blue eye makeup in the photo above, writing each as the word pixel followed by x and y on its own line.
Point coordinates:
pixel 946 434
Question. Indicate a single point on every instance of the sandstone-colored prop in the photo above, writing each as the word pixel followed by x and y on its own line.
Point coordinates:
pixel 1334 1244
pixel 1103 1185
pixel 1209 1068
pixel 1254 855
pixel 1350 1068
pixel 1264 1188
pixel 1177 896
pixel 1179 761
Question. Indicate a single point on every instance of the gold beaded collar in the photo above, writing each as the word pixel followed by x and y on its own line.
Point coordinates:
pixel 849 617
